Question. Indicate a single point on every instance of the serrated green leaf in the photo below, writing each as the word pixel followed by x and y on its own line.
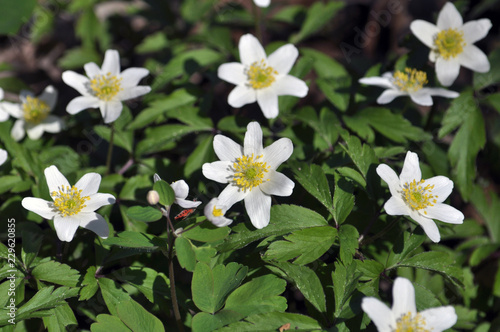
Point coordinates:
pixel 206 232
pixel 271 322
pixel 314 180
pixel 59 318
pixel 154 285
pixel 482 252
pixel 121 138
pixel 112 294
pixel 369 269
pixel 345 280
pixel 106 323
pixel 56 273
pixel 144 213
pixel 167 194
pixel 185 253
pixel 203 153
pixel 89 284
pixel 348 238
pixel 203 321
pixel 492 76
pixel 362 155
pixel 343 199
pixel 130 239
pixel 404 245
pixel 31 245
pixel 18 15
pixel 138 319
pixel 488 205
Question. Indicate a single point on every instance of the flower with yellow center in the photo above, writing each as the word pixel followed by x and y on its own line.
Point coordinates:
pixel 420 199
pixel 409 82
pixel 33 114
pixel 105 87
pixel 250 172
pixel 403 316
pixel 261 78
pixel 72 206
pixel 452 43
pixel 215 213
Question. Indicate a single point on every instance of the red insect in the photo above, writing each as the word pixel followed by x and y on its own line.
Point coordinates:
pixel 185 213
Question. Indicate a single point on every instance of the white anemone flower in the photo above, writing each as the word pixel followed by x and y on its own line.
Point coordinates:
pixel 105 87
pixel 181 191
pixel 408 83
pixel 250 172
pixel 451 43
pixel 403 316
pixel 3 156
pixel 261 78
pixel 420 199
pixel 72 206
pixel 215 213
pixel 33 114
pixel 4 115
pixel 262 3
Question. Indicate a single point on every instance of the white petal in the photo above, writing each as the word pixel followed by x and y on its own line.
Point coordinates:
pixel 233 72
pixel 219 221
pixel 283 58
pixel 250 50
pixel 382 82
pixel 388 95
pixel 133 92
pixel 18 132
pixel 219 171
pixel 474 59
pixel 253 140
pixel 449 17
pixel 441 92
pixel 187 204
pixel 2 94
pixel 3 114
pixel 428 225
pixel 226 149
pixel 110 110
pixel 78 82
pixel 3 156
pixel 268 102
pixel 390 177
pixel 181 189
pixel 433 56
pixel 132 76
pixel 290 86
pixel 476 30
pixel 425 32
pixel 82 103
pixel 258 206
pixel 447 70
pixel 232 194
pixel 111 63
pixel 421 97
pixel 14 110
pixel 52 124
pixel 95 223
pixel 439 319
pixel 395 206
pixel 66 227
pixel 34 131
pixel 411 169
pixel 55 180
pixel 23 95
pixel 278 152
pixel 278 184
pixel 98 200
pixel 379 313
pixel 442 187
pixel 49 95
pixel 91 69
pixel 39 206
pixel 241 95
pixel 262 3
pixel 445 213
pixel 156 177
pixel 403 298
pixel 89 184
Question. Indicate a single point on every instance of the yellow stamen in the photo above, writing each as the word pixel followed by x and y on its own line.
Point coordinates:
pixel 407 323
pixel 69 200
pixel 105 87
pixel 260 75
pixel 249 173
pixel 35 110
pixel 449 43
pixel 217 212
pixel 418 196
pixel 410 80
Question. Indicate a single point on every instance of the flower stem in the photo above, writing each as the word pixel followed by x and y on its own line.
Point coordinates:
pixel 110 148
pixel 258 23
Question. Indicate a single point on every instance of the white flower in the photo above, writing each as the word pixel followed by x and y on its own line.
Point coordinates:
pixel 250 172
pixel 33 114
pixel 422 200
pixel 105 87
pixel 261 78
pixel 451 43
pixel 407 83
pixel 3 114
pixel 3 156
pixel 404 316
pixel 181 191
pixel 215 213
pixel 73 206
pixel 262 3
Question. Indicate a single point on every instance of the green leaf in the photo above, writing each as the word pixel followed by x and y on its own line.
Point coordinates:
pixel 106 323
pixel 89 284
pixel 206 232
pixel 404 246
pixel 138 319
pixel 370 269
pixel 185 253
pixel 203 153
pixel 77 57
pixel 167 194
pixel 130 239
pixel 31 245
pixel 314 180
pixel 305 245
pixel 483 80
pixel 345 279
pixel 488 205
pixel 210 287
pixel 153 43
pixel 59 318
pixel 348 238
pixel 121 138
pixel 284 219
pixel 324 126
pixel 362 155
pixel 324 65
pixel 343 199
pixel 203 321
pixel 154 285
pixel 144 213
pixel 112 294
pixel 133 184
pixel 56 273
pixel 18 15
pixel 482 252
pixel 336 90
pixel 273 321
pixel 305 280
pixel 160 138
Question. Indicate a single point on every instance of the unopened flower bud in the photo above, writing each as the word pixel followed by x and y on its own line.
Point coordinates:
pixel 153 197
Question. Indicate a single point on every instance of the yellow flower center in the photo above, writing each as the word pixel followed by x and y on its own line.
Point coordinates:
pixel 69 200
pixel 407 323
pixel 35 110
pixel 249 173
pixel 449 43
pixel 410 80
pixel 217 212
pixel 260 75
pixel 419 196
pixel 105 87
